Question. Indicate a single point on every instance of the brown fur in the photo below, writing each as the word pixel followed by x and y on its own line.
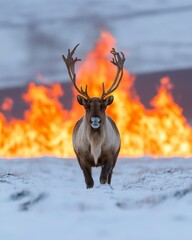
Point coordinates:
pixel 96 139
pixel 96 147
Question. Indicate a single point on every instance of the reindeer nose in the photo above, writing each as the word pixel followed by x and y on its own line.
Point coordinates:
pixel 95 122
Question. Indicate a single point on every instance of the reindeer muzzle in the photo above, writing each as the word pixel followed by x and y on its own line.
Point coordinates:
pixel 95 122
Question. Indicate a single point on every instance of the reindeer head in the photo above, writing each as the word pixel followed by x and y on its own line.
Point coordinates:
pixel 95 107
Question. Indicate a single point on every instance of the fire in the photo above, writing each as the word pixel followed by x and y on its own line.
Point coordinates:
pixel 46 128
pixel 7 104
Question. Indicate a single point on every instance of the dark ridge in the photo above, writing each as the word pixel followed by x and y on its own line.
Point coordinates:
pixel 146 85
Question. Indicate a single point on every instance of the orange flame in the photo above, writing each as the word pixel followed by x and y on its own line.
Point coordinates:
pixel 47 127
pixel 7 104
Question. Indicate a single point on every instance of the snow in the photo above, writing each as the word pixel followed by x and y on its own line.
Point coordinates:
pixel 46 198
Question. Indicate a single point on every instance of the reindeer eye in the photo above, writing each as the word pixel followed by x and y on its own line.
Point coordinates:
pixel 103 107
pixel 87 107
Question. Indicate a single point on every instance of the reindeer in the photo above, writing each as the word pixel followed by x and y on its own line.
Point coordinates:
pixel 96 139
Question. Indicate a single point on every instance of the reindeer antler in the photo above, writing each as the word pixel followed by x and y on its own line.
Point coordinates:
pixel 70 64
pixel 118 60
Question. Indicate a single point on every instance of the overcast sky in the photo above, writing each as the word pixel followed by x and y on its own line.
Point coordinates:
pixel 156 34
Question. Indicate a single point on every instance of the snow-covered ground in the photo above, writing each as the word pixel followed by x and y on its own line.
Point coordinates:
pixel 46 198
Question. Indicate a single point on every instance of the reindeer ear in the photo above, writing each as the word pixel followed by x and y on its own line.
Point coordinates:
pixel 109 100
pixel 81 100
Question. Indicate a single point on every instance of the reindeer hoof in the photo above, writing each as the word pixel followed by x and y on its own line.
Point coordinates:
pixel 103 180
pixel 90 184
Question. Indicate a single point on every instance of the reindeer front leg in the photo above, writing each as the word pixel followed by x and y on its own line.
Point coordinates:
pixel 106 172
pixel 113 165
pixel 86 168
pixel 88 176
